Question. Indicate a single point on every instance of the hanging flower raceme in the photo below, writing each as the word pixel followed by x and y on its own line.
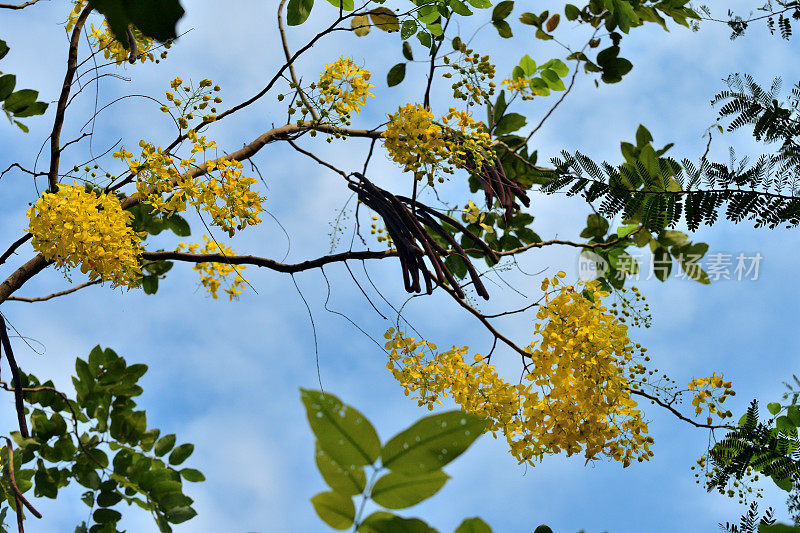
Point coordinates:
pixel 428 149
pixel 344 88
pixel 80 226
pixel 578 400
pixel 213 274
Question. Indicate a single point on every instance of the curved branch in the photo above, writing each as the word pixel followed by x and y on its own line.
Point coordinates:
pixel 675 412
pixel 55 294
pixel 264 262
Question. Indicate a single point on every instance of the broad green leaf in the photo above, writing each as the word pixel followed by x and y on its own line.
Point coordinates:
pixel 432 442
pixel 783 483
pixel 105 516
pixel 19 100
pixel 396 74
pixel 385 19
pixel 346 5
pixel 155 18
pixel 150 284
pixel 481 4
pixel 3 48
pixel 409 28
pixel 297 11
pixel 192 475
pixel 164 445
pixel 557 66
pixel 503 29
pixel 460 8
pixel 662 263
pixel 383 522
pixel 774 408
pixel 334 509
pixel 7 83
pixel 473 525
pixel 360 25
pixel 527 65
pixel 344 433
pixel 529 19
pixel 424 38
pixel 408 53
pixel 539 86
pixel 793 412
pixel 347 480
pixel 643 136
pixel 571 12
pixel 542 529
pixel 178 515
pixel 36 108
pixel 502 10
pixel 596 226
pixel 509 123
pixel 552 80
pixel 181 453
pixel 398 491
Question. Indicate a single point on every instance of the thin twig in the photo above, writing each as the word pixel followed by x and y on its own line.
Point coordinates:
pixel 55 294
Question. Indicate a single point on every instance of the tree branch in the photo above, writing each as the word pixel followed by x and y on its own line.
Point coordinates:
pixel 55 294
pixel 58 123
pixel 20 6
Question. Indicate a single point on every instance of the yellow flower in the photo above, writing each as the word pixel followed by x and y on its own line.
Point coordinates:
pixel 76 226
pixel 344 87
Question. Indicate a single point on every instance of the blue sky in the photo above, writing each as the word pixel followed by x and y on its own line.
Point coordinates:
pixel 225 376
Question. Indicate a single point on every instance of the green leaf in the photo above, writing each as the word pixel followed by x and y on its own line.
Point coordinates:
pixel 360 25
pixel 181 453
pixel 384 522
pixel 509 123
pixel 778 528
pixel 552 80
pixel 424 38
pixel 456 265
pixel 783 483
pixel 662 263
pixel 105 516
pixel 344 433
pixel 398 491
pixel 502 10
pixel 793 412
pixel 503 29
pixel 155 18
pixel 192 475
pixel 527 65
pixel 542 529
pixel 571 12
pixel 557 66
pixel 774 408
pixel 596 227
pixel 297 11
pixel 346 5
pixel 164 445
pixel 150 284
pixel 408 53
pixel 36 108
pixel 7 83
pixel 396 74
pixel 3 50
pixel 473 525
pixel 334 509
pixel 529 19
pixel 19 100
pixel 178 515
pixel 431 442
pixel 344 479
pixel 385 19
pixel 643 136
pixel 409 28
pixel 460 8
pixel 481 4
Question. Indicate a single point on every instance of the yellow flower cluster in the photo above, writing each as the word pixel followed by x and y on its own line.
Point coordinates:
pixel 109 45
pixel 473 215
pixel 578 400
pixel 212 274
pixel 474 71
pixel 382 233
pixel 196 100
pixel 78 226
pixel 705 398
pixel 425 148
pixel 344 88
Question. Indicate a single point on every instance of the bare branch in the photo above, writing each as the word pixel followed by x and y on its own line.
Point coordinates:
pixel 55 294
pixel 20 6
